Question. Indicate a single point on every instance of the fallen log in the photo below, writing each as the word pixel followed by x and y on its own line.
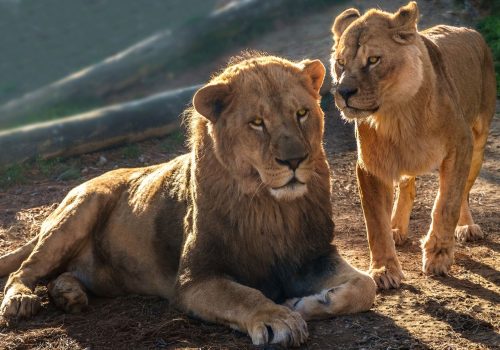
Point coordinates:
pixel 164 52
pixel 137 120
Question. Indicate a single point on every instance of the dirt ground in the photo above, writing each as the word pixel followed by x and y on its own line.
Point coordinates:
pixel 457 312
pixel 460 311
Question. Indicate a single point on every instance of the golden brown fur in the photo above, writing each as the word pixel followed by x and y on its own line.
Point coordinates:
pixel 227 232
pixel 420 101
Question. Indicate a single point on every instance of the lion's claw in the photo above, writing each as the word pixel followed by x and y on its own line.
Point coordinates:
pixel 387 276
pixel 19 305
pixel 437 258
pixel 468 233
pixel 278 326
pixel 399 236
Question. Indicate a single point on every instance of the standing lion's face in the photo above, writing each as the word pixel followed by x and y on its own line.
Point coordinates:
pixel 266 123
pixel 375 62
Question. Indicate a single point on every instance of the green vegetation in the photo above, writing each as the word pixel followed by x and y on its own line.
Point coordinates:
pixel 131 151
pixel 173 141
pixel 47 167
pixel 71 173
pixel 56 169
pixel 13 175
pixel 490 28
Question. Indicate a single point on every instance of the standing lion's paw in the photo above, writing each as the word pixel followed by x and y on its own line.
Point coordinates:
pixel 388 275
pixel 437 257
pixel 399 236
pixel 468 233
pixel 278 325
pixel 19 305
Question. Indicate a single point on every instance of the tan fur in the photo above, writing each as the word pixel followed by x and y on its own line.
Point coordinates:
pixel 227 232
pixel 425 102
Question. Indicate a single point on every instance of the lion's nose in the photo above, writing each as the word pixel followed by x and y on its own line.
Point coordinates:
pixel 347 91
pixel 292 163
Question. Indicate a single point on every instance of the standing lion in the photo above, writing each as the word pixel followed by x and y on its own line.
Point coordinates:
pixel 237 231
pixel 420 101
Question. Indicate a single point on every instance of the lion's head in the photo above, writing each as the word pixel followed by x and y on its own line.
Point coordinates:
pixel 263 117
pixel 376 62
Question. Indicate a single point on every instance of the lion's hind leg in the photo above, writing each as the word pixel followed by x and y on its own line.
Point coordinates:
pixel 62 236
pixel 467 229
pixel 400 217
pixel 68 293
pixel 345 291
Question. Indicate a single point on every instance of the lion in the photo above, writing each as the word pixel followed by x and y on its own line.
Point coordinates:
pixel 419 101
pixel 238 231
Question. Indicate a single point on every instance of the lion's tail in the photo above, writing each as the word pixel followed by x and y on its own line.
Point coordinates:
pixel 10 262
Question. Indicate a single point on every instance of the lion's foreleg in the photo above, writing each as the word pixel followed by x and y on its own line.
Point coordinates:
pixel 402 209
pixel 438 245
pixel 246 309
pixel 346 291
pixel 376 200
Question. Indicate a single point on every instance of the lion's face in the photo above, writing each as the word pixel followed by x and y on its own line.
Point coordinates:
pixel 266 123
pixel 375 63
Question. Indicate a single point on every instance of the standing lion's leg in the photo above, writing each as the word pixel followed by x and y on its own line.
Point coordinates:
pixel 466 229
pixel 68 293
pixel 345 290
pixel 62 234
pixel 376 200
pixel 402 209
pixel 438 245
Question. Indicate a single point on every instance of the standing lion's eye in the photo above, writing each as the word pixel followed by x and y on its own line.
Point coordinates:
pixel 373 59
pixel 257 123
pixel 302 114
pixel 341 62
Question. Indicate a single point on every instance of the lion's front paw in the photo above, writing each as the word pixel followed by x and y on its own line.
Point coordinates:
pixel 278 325
pixel 19 305
pixel 388 275
pixel 468 233
pixel 437 257
pixel 399 236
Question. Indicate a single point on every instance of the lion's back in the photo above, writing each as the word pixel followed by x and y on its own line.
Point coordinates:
pixel 464 57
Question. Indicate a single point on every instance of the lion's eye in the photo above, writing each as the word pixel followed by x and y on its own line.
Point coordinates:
pixel 373 59
pixel 341 62
pixel 257 123
pixel 302 114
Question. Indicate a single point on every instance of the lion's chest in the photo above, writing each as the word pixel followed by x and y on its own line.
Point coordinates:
pixel 271 248
pixel 390 158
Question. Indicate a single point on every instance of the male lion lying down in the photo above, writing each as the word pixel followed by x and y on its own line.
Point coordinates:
pixel 227 232
pixel 420 100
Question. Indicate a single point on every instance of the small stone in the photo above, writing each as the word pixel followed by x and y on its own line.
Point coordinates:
pixel 102 160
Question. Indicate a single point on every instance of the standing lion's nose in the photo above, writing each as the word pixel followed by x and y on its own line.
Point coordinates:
pixel 347 91
pixel 292 163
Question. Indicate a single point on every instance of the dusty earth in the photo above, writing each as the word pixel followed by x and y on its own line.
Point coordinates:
pixel 460 311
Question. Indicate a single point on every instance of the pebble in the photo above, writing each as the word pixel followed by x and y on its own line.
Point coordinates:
pixel 102 160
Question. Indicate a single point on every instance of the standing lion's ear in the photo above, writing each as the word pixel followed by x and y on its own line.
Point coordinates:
pixel 316 71
pixel 342 21
pixel 405 23
pixel 211 100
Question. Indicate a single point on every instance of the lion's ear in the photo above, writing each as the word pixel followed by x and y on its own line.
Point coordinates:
pixel 405 23
pixel 316 71
pixel 342 21
pixel 211 100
